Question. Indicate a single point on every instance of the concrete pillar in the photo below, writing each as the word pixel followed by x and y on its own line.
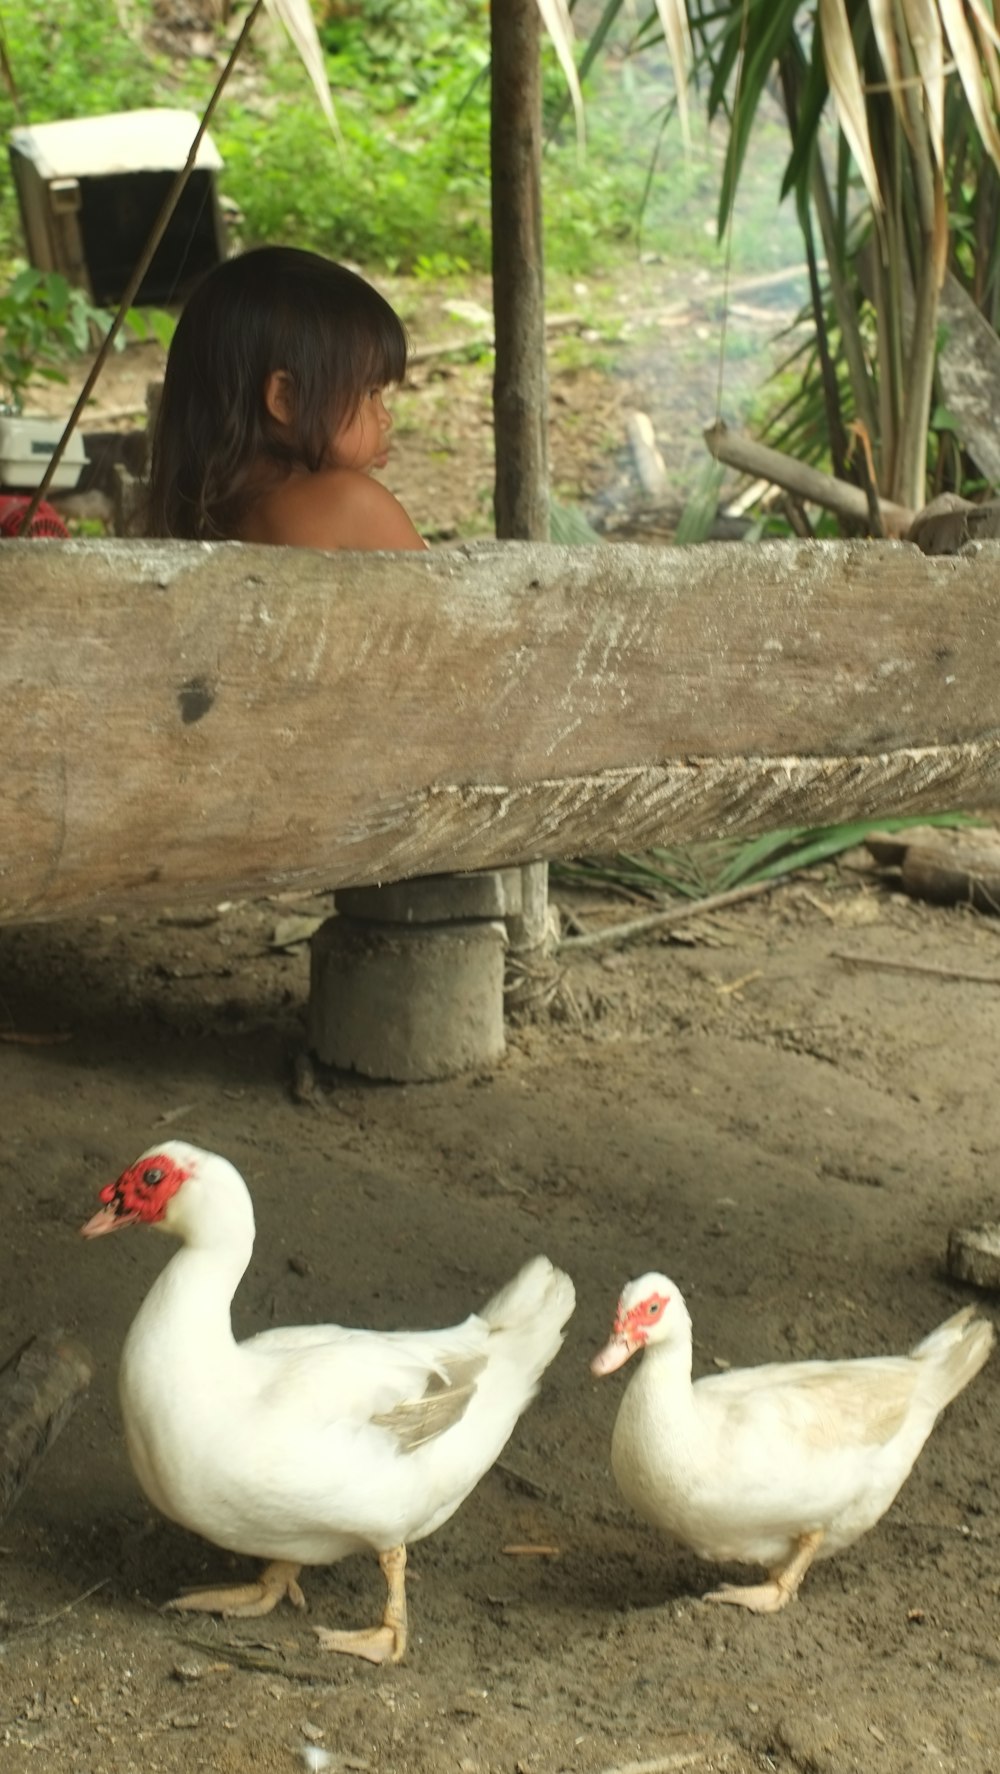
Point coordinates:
pixel 407 980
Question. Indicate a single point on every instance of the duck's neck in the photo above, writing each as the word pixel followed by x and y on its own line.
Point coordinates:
pixel 665 1370
pixel 194 1293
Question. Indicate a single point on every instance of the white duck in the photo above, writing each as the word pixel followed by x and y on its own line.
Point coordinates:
pixel 302 1445
pixel 776 1465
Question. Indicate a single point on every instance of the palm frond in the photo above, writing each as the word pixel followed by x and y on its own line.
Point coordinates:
pixel 963 48
pixel 694 871
pixel 556 18
pixel 848 95
pixel 297 18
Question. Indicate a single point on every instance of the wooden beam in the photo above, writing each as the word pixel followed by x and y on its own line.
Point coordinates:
pixel 182 721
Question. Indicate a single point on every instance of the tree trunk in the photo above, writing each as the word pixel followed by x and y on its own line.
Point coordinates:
pixel 520 387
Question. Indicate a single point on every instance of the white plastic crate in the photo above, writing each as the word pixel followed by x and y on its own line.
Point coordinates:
pixel 25 448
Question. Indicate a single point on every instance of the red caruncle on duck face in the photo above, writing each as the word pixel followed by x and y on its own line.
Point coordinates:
pixel 634 1323
pixel 141 1193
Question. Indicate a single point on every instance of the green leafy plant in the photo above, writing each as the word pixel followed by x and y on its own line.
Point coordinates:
pixel 696 870
pixel 76 59
pixel 44 321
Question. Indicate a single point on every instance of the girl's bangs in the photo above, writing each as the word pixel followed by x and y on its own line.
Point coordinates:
pixel 386 352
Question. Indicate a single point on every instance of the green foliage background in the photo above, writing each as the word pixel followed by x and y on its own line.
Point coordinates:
pixel 408 188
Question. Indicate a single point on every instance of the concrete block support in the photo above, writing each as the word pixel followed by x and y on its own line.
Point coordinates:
pixel 407 981
pixel 407 1002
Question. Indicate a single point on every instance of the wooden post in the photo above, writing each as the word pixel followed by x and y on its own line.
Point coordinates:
pixel 520 387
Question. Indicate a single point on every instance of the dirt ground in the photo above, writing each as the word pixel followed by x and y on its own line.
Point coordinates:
pixel 790 1136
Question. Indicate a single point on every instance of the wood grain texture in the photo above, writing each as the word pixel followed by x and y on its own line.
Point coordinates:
pixel 183 721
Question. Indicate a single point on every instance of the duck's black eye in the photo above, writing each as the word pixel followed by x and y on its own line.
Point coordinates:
pixel 152 1176
pixel 654 1307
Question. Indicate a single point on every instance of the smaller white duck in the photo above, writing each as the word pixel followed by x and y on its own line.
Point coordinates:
pixel 305 1444
pixel 776 1465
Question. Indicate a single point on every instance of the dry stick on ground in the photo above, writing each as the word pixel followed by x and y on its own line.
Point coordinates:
pixel 246 1657
pixel 24 1626
pixel 891 966
pixel 483 341
pixel 673 915
pixel 660 1764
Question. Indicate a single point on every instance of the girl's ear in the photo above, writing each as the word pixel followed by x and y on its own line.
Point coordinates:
pixel 278 397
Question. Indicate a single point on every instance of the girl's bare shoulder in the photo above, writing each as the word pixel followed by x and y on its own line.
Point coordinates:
pixel 334 508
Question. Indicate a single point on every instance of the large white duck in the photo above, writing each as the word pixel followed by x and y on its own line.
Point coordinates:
pixel 302 1445
pixel 776 1465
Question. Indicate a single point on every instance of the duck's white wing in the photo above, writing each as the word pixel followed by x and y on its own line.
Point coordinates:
pixel 822 1404
pixel 414 1384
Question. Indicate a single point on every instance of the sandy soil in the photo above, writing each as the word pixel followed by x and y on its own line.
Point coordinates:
pixel 791 1137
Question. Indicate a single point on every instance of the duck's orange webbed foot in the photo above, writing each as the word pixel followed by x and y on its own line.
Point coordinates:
pixel 378 1644
pixel 245 1601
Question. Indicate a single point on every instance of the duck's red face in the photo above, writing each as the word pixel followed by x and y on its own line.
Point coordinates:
pixel 634 1323
pixel 631 1331
pixel 141 1193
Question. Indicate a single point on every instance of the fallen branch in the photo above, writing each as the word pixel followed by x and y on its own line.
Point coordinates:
pixel 58 1613
pixel 484 341
pixel 807 483
pixel 660 1764
pixel 928 967
pixel 246 1657
pixel 713 902
pixel 530 1486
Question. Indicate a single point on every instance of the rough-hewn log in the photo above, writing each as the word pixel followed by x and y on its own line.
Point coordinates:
pixel 182 721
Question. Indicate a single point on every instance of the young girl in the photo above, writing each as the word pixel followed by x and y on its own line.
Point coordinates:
pixel 272 417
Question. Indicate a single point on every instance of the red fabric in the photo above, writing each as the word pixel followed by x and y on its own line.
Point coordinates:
pixel 45 522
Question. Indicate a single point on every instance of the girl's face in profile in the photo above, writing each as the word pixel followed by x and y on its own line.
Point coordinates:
pixel 363 441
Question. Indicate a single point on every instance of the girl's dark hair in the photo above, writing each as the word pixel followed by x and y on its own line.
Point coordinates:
pixel 275 308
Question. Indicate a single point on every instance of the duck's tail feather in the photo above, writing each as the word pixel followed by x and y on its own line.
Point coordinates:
pixel 533 1310
pixel 956 1351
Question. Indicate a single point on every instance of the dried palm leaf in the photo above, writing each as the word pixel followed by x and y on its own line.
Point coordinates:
pixel 984 22
pixel 846 88
pixel 557 21
pixel 923 25
pixel 677 34
pixel 963 48
pixel 297 19
pixel 989 43
pixel 883 17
